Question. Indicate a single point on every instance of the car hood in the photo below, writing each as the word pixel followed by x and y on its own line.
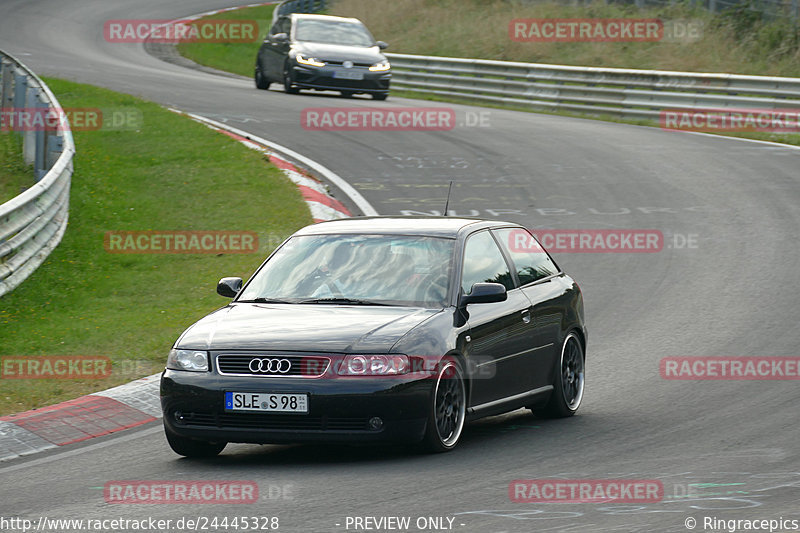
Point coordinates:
pixel 335 52
pixel 303 327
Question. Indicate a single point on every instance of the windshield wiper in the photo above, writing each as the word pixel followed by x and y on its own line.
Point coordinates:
pixel 346 301
pixel 264 301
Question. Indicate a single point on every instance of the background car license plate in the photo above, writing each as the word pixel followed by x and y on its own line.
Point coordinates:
pixel 259 401
pixel 348 75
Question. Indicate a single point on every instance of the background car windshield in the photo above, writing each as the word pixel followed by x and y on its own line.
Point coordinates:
pixel 396 270
pixel 333 32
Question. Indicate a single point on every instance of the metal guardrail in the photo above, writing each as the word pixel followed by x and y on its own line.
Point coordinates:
pixel 32 224
pixel 622 93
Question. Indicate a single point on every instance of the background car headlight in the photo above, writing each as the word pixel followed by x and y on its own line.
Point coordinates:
pixel 381 67
pixel 373 365
pixel 191 360
pixel 313 61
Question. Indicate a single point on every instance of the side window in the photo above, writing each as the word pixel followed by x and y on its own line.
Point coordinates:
pixel 282 26
pixel 529 258
pixel 484 263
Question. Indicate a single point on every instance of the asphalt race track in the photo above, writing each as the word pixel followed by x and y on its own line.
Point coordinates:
pixel 725 284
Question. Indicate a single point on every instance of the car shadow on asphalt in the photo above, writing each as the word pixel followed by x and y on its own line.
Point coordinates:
pixel 503 430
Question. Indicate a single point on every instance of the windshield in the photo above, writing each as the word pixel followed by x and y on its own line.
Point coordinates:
pixel 366 269
pixel 333 32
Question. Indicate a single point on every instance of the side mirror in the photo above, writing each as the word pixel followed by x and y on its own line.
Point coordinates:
pixel 382 45
pixel 229 287
pixel 279 38
pixel 484 293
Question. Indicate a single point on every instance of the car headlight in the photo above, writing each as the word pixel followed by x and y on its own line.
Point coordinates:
pixel 311 61
pixel 373 365
pixel 383 66
pixel 191 360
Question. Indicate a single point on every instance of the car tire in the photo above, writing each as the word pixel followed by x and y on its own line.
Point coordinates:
pixel 380 96
pixel 447 411
pixel 288 82
pixel 261 82
pixel 193 448
pixel 569 381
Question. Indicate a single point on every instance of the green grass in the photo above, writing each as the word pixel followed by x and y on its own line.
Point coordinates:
pixel 15 175
pixel 232 57
pixel 737 41
pixel 170 174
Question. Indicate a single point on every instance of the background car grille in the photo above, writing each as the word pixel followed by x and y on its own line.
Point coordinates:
pixel 301 366
pixel 355 63
pixel 264 421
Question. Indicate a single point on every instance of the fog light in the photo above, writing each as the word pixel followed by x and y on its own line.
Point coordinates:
pixel 375 423
pixel 178 416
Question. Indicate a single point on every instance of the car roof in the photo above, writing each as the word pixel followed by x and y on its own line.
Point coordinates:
pixel 434 226
pixel 312 16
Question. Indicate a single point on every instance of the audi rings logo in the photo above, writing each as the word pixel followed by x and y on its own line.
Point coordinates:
pixel 270 366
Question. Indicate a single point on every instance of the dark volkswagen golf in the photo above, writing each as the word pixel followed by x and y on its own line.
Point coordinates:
pixel 380 329
pixel 321 52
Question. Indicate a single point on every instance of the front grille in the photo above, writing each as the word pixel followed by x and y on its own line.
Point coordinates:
pixel 265 421
pixel 302 366
pixel 355 63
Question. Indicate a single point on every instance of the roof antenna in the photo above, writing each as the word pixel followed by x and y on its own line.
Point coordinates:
pixel 447 203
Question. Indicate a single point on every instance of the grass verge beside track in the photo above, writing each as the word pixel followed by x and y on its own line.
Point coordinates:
pixel 15 175
pixel 238 58
pixel 170 174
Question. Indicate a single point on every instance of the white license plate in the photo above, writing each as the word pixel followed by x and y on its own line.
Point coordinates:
pixel 348 75
pixel 266 402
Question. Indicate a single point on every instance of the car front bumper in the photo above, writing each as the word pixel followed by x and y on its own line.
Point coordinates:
pixel 339 409
pixel 324 78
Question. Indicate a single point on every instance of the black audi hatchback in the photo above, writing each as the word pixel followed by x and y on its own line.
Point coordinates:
pixel 321 52
pixel 380 329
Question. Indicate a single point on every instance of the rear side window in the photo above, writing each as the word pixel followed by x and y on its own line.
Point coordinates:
pixel 284 25
pixel 484 263
pixel 529 258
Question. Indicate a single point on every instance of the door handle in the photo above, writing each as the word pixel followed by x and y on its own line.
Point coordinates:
pixel 526 316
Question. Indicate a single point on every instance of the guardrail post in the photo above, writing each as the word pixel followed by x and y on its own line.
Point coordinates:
pixel 29 132
pixel 6 80
pixel 17 98
pixel 40 135
pixel 55 145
